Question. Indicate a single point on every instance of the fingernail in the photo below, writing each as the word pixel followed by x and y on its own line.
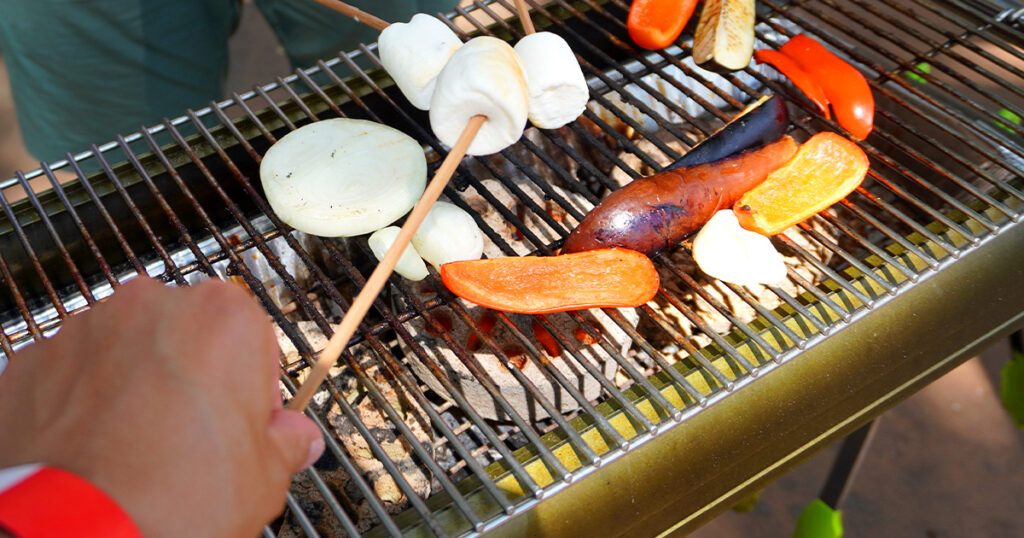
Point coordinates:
pixel 316 448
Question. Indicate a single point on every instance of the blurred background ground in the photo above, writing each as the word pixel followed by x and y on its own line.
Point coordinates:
pixel 945 463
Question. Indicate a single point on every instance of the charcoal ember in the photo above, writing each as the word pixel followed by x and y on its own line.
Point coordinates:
pixel 726 301
pixel 257 263
pixel 633 160
pixel 314 509
pixel 312 341
pixel 521 162
pixel 438 351
pixel 537 216
pixel 547 218
pixel 396 448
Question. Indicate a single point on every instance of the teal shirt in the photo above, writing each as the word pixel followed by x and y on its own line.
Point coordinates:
pixel 84 71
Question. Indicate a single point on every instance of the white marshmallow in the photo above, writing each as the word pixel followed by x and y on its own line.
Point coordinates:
pixel 484 77
pixel 558 90
pixel 414 53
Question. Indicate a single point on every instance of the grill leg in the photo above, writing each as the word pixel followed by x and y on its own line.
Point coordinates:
pixel 851 453
pixel 822 518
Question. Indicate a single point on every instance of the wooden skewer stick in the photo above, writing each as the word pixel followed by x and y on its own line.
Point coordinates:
pixel 362 303
pixel 355 14
pixel 524 17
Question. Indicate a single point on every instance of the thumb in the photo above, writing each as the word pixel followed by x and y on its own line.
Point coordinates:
pixel 298 440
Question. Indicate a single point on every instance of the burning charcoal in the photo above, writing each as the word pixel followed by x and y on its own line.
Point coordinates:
pixel 394 446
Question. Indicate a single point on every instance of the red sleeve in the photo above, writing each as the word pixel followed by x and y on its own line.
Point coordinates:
pixel 52 502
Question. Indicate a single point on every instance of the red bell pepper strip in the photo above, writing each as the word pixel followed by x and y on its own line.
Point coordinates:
pixel 797 76
pixel 655 24
pixel 844 86
pixel 602 278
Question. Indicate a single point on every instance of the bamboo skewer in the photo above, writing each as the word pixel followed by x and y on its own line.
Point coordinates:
pixel 362 303
pixel 524 17
pixel 364 300
pixel 355 14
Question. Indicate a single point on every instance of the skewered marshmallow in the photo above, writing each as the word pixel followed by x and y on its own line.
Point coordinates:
pixel 558 90
pixel 414 53
pixel 484 77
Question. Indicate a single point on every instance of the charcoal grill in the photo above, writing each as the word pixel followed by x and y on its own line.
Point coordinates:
pixel 916 270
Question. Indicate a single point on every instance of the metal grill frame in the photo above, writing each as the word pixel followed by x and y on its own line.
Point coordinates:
pixel 660 442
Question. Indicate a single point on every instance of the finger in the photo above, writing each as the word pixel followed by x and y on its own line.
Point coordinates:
pixel 298 440
pixel 274 364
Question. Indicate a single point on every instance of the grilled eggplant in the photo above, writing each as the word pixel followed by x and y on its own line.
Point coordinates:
pixel 763 122
pixel 654 213
pixel 724 40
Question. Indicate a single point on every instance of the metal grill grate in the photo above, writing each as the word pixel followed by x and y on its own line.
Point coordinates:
pixel 181 205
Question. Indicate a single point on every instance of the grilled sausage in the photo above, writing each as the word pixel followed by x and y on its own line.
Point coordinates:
pixel 654 213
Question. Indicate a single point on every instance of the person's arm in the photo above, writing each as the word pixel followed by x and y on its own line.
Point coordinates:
pixel 167 401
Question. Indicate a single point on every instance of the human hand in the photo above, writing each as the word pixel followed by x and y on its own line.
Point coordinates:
pixel 168 401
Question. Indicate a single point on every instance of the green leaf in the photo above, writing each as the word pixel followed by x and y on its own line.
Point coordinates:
pixel 1011 388
pixel 819 520
pixel 746 506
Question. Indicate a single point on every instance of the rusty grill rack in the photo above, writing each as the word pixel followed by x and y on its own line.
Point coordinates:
pixel 178 201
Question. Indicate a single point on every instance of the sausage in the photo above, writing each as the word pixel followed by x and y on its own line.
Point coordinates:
pixel 652 214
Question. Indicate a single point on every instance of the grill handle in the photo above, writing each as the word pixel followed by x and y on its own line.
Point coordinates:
pixel 362 303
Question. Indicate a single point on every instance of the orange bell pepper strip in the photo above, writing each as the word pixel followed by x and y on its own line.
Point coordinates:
pixel 785 65
pixel 603 278
pixel 845 87
pixel 824 170
pixel 655 24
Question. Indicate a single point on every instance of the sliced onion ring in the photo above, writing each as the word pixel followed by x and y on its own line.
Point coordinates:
pixel 728 252
pixel 343 177
pixel 448 234
pixel 409 265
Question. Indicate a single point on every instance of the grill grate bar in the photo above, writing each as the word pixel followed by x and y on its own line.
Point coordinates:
pixel 497 443
pixel 169 266
pixel 101 262
pixel 487 382
pixel 310 309
pixel 948 92
pixel 51 292
pixel 58 243
pixel 983 27
pixel 186 238
pixel 888 36
pixel 19 299
pixel 354 473
pixel 101 208
pixel 535 393
pixel 959 40
pixel 908 150
pixel 213 230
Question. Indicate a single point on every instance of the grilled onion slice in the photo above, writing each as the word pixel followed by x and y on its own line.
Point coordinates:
pixel 725 35
pixel 409 265
pixel 343 177
pixel 448 234
pixel 726 251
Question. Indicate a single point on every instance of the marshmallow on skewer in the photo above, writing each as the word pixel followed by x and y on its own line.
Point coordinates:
pixel 558 90
pixel 484 77
pixel 414 53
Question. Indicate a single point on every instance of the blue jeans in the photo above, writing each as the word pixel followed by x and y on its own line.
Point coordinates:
pixel 83 71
